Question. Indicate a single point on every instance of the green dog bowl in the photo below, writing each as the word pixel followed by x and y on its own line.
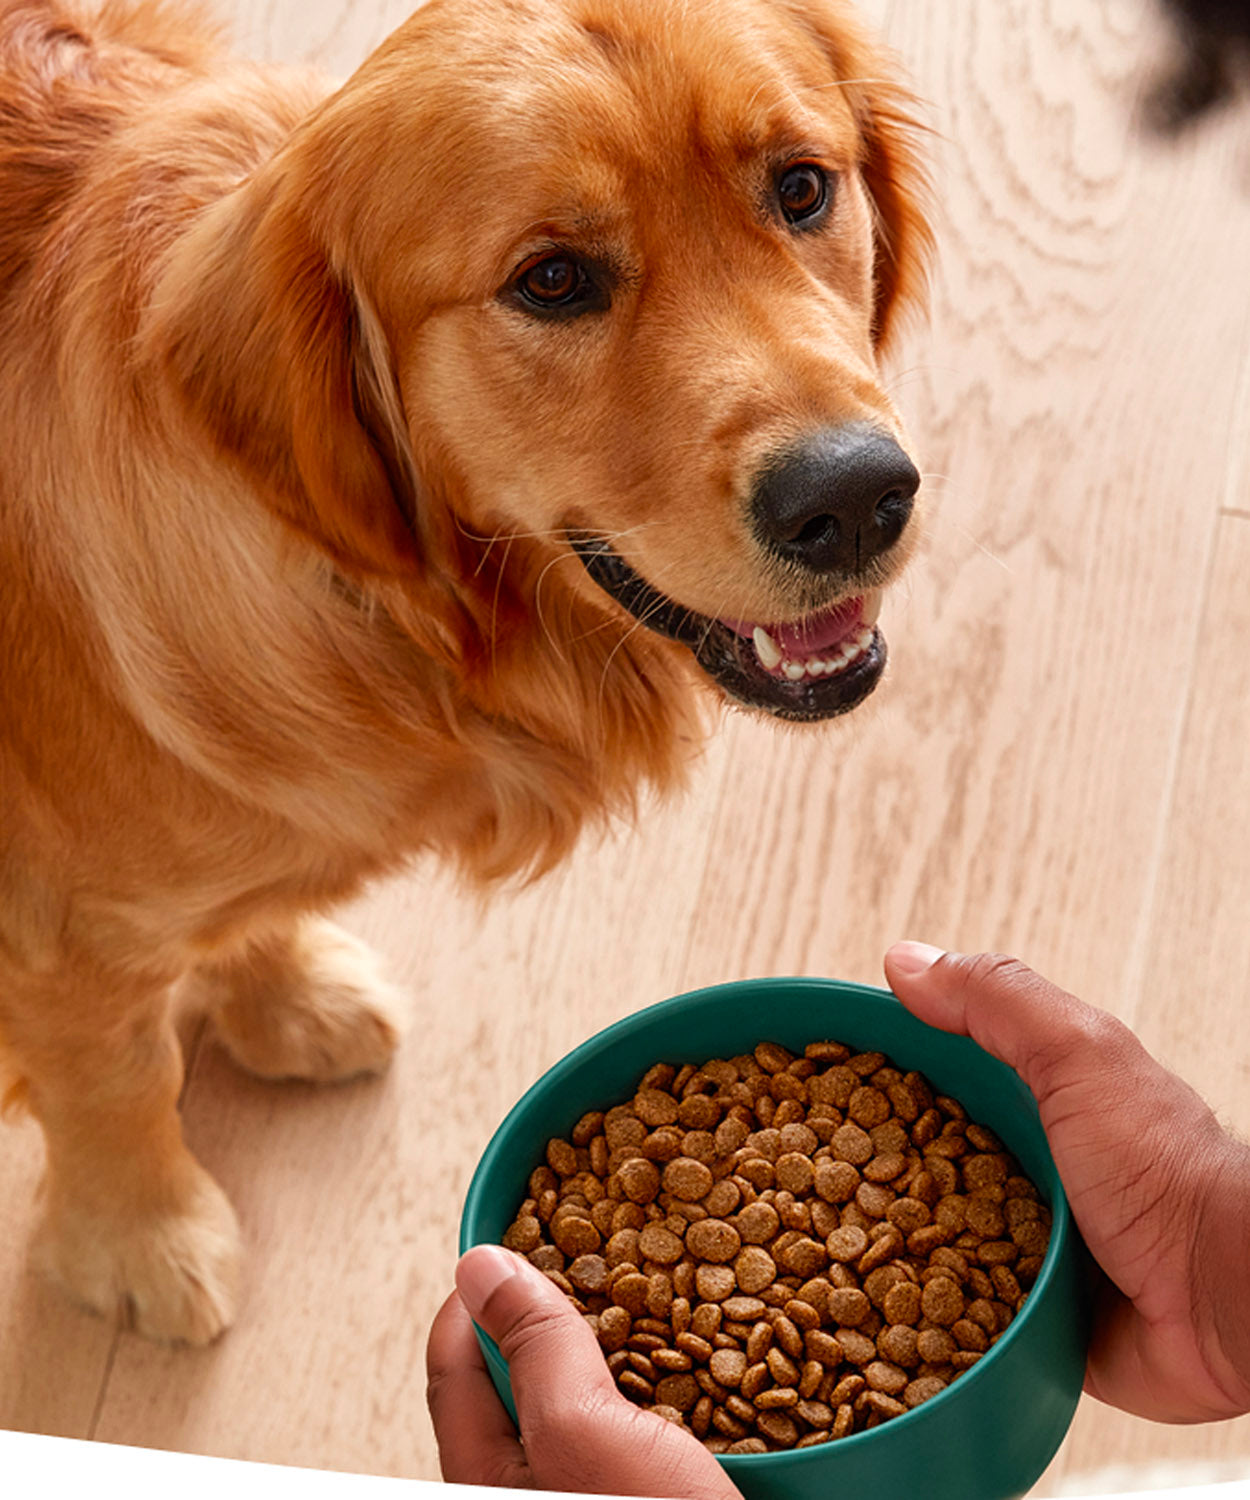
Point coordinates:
pixel 992 1432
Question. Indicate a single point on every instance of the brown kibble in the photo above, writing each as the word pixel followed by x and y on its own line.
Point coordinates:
pixel 796 1138
pixel 868 1107
pixel 705 1320
pixel 834 1086
pixel 714 1283
pixel 875 1199
pixel 614 1328
pixel 823 1347
pixel 843 1421
pixel 835 1181
pixel 659 1295
pixel 794 1172
pixel 803 1257
pixel 743 1309
pixel 778 1398
pixel 561 1158
pixel 654 1107
pixel 686 1178
pixel 623 1248
pixel 725 1422
pixel 970 1335
pixel 660 1244
pixel 885 1168
pixel 846 1244
pixel 942 1302
pixel 631 1292
pixel 900 1344
pixel 997 1253
pixel 856 1346
pixel 778 1428
pixel 901 1304
pixel 728 1366
pixel 754 1269
pixel 757 1223
pixel 669 1413
pixel 723 1199
pixel 524 1234
pixel 546 1258
pixel 588 1273
pixel 935 1346
pixel 575 1236
pixel 781 1367
pixel 636 1386
pixel 984 1171
pixel 848 1307
pixel 851 1144
pixel 886 1405
pixel 639 1179
pixel 713 1240
pixel 882 1376
pixel 697 1348
pixel 908 1214
pixel 922 1389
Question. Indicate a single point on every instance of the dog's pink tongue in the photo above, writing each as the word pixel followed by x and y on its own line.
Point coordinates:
pixel 810 637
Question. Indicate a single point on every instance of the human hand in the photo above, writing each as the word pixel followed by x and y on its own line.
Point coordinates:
pixel 1160 1191
pixel 577 1431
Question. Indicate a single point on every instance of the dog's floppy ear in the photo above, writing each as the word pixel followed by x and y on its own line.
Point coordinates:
pixel 892 165
pixel 278 356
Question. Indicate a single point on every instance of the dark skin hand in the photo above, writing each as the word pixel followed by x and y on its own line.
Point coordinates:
pixel 1160 1191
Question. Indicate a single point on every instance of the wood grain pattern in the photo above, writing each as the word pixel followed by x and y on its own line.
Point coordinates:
pixel 1056 765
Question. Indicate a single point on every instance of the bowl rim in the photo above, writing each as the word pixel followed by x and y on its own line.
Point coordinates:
pixel 1062 1227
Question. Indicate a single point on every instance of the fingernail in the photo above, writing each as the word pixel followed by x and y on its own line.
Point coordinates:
pixel 912 959
pixel 480 1274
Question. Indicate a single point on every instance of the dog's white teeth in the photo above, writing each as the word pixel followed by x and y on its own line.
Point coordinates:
pixel 766 648
pixel 871 609
pixel 827 666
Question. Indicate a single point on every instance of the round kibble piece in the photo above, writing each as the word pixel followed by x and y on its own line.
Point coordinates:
pixel 728 1366
pixel 713 1240
pixel 640 1179
pixel 687 1179
pixel 847 1243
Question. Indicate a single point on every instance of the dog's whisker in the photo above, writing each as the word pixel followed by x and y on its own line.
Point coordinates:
pixel 979 545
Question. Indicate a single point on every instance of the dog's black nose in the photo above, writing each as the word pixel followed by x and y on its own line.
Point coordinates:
pixel 836 499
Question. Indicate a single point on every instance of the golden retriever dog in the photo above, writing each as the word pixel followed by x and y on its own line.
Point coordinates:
pixel 390 470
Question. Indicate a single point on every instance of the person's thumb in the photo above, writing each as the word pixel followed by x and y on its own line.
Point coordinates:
pixel 1048 1036
pixel 552 1354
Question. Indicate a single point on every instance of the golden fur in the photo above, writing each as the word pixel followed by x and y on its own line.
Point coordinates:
pixel 285 590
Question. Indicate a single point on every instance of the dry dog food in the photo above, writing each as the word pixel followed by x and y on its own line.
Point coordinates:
pixel 775 1251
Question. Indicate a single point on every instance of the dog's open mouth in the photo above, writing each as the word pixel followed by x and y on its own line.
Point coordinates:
pixel 824 665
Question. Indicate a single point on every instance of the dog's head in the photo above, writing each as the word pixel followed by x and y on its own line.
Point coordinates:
pixel 590 291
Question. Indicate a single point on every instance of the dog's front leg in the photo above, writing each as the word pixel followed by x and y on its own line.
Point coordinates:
pixel 133 1226
pixel 305 1000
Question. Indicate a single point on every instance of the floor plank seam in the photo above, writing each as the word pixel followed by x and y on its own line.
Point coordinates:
pixel 93 1426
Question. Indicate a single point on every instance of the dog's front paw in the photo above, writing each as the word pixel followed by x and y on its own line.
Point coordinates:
pixel 170 1272
pixel 312 1005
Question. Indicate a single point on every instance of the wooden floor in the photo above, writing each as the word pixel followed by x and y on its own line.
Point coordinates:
pixel 1058 765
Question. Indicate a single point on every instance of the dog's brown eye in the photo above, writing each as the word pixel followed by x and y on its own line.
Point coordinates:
pixel 554 281
pixel 803 191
